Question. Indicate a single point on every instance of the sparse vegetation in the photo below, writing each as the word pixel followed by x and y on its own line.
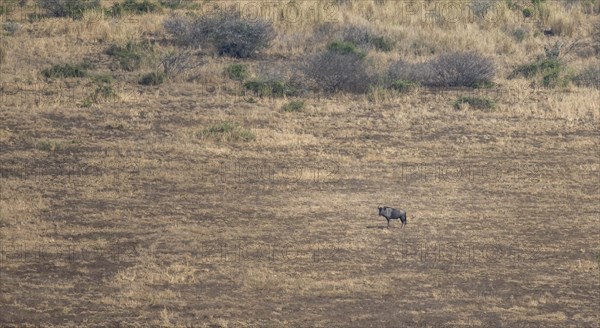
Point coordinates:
pixel 227 131
pixel 104 90
pixel 551 72
pixel 229 34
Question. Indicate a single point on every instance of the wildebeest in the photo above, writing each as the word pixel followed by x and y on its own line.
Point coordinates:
pixel 393 214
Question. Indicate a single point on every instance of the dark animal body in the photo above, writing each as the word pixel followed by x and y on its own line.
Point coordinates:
pixel 393 214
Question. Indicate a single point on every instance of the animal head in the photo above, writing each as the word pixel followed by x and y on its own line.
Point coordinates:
pixel 382 210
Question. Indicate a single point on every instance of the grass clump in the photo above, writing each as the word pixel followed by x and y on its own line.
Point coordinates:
pixel 293 106
pixel 129 56
pixel 475 102
pixel 227 131
pixel 152 78
pixel 133 7
pixel 237 72
pixel 66 70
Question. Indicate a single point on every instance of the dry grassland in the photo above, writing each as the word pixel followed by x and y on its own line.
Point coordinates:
pixel 128 211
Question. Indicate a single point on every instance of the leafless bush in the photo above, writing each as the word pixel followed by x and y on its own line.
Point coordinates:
pixel 178 62
pixel 460 69
pixel 228 33
pixel 333 71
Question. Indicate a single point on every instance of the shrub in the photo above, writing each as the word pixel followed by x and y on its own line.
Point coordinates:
pixel 227 131
pixel 366 38
pixel 129 56
pixel 589 77
pixel 152 78
pixel 275 89
pixel 68 8
pixel 103 91
pixel 228 33
pixel 2 55
pixel 475 102
pixel 460 69
pixel 345 47
pixel 333 71
pixel 175 63
pixel 237 72
pixel 133 7
pixel 179 4
pixel 66 70
pixel 527 12
pixel 293 106
pixel 550 71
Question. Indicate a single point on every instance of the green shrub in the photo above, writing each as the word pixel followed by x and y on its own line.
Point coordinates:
pixel 130 56
pixel 152 78
pixel 551 72
pixel 237 72
pixel 133 7
pixel 293 106
pixel 527 12
pixel 227 131
pixel 69 8
pixel 179 4
pixel 275 89
pixel 103 91
pixel 345 48
pixel 229 33
pixel 475 102
pixel 66 70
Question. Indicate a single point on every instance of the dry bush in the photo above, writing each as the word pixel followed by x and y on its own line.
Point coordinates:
pixel 228 33
pixel 460 69
pixel 334 71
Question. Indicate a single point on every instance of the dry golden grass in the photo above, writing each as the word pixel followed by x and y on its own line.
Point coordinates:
pixel 120 213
